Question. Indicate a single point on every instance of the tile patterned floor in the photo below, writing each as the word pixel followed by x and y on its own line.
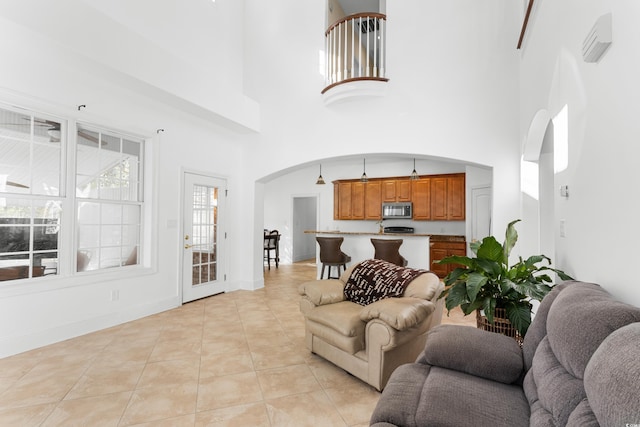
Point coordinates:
pixel 236 359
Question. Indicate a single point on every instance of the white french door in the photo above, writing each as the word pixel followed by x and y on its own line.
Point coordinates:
pixel 203 236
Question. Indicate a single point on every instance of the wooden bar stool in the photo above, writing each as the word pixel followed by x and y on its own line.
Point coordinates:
pixel 331 255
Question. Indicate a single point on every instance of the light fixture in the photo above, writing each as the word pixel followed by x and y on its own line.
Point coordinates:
pixel 364 178
pixel 320 180
pixel 414 175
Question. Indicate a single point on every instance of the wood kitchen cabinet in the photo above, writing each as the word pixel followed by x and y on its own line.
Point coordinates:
pixel 373 200
pixel 396 190
pixel 448 197
pixel 441 249
pixel 434 197
pixel 421 199
pixel 355 200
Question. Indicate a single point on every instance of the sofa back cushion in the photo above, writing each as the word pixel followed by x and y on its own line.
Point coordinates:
pixel 579 319
pixel 611 379
pixel 538 328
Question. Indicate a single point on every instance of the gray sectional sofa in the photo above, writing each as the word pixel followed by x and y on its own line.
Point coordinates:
pixel 579 366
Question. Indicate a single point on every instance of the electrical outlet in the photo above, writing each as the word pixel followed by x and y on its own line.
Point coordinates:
pixel 115 295
pixel 563 228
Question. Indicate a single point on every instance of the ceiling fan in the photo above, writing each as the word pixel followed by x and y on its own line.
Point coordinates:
pixel 52 128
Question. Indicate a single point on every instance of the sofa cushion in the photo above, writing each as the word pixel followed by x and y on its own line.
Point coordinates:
pixel 343 317
pixel 400 398
pixel 454 398
pixel 456 347
pixel 538 328
pixel 399 313
pixel 612 378
pixel 553 392
pixel 322 292
pixel 579 319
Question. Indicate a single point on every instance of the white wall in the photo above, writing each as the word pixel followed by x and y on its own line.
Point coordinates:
pixel 55 68
pixel 452 91
pixel 138 67
pixel 604 204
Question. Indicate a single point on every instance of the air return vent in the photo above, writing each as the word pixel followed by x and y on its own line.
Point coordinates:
pixel 598 40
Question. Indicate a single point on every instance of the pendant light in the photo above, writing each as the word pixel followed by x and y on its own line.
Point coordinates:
pixel 414 175
pixel 364 178
pixel 320 180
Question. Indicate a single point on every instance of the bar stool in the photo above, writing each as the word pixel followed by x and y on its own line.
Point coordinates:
pixel 331 255
pixel 272 244
pixel 389 250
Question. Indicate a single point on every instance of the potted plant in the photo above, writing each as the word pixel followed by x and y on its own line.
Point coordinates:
pixel 487 282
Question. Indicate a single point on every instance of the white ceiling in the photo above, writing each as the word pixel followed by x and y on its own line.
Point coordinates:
pixel 356 6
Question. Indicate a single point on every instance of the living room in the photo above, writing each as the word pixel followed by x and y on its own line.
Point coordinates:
pixel 223 88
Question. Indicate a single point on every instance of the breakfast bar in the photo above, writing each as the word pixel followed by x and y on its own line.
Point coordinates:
pixel 415 247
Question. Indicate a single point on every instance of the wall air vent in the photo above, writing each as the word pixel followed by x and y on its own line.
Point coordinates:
pixel 598 40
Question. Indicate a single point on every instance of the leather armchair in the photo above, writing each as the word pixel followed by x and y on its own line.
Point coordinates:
pixel 370 341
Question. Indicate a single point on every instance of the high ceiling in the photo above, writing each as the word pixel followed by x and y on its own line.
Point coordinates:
pixel 355 6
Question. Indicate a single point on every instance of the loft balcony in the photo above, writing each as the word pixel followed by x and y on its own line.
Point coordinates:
pixel 355 57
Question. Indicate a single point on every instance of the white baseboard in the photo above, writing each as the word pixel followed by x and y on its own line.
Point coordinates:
pixel 10 345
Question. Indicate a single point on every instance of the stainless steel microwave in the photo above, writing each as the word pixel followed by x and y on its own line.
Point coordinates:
pixel 397 210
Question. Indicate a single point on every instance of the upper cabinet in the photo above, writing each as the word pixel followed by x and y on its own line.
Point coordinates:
pixel 396 190
pixel 421 198
pixel 434 197
pixel 448 197
pixel 373 200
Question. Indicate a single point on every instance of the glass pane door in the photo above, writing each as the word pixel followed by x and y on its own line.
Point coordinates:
pixel 202 206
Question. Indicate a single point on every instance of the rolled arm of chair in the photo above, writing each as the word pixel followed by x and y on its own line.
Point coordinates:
pixel 399 313
pixel 321 292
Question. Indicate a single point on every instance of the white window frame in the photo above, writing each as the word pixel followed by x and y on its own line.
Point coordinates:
pixel 67 242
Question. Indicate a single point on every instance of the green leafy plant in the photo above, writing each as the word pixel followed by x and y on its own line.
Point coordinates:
pixel 488 281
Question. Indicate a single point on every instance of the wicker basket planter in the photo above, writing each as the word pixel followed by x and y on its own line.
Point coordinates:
pixel 501 324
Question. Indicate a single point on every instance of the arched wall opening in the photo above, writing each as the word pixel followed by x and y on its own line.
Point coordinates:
pixel 276 193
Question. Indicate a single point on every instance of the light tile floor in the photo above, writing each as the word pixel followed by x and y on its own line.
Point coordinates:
pixel 236 359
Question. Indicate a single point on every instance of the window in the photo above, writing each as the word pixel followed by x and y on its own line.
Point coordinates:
pixel 49 224
pixel 30 194
pixel 108 199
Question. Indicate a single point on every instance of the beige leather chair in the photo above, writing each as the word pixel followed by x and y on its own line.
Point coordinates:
pixel 371 341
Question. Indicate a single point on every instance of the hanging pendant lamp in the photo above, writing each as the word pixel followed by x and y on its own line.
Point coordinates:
pixel 414 175
pixel 320 180
pixel 364 177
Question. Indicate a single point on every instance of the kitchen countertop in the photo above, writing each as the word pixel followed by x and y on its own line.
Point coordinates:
pixel 433 237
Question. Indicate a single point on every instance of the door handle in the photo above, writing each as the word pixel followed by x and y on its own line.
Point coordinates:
pixel 187 246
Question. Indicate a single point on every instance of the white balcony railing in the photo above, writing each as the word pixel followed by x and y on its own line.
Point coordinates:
pixel 355 49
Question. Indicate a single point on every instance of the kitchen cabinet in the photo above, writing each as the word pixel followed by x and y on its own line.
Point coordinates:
pixel 373 200
pixel 434 197
pixel 441 249
pixel 354 200
pixel 396 190
pixel 357 200
pixel 421 198
pixel 448 197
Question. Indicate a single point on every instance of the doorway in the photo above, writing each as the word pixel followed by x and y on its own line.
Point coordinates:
pixel 203 267
pixel 481 213
pixel 303 245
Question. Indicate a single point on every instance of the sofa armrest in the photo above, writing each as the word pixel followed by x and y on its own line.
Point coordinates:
pixel 399 313
pixel 474 351
pixel 321 292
